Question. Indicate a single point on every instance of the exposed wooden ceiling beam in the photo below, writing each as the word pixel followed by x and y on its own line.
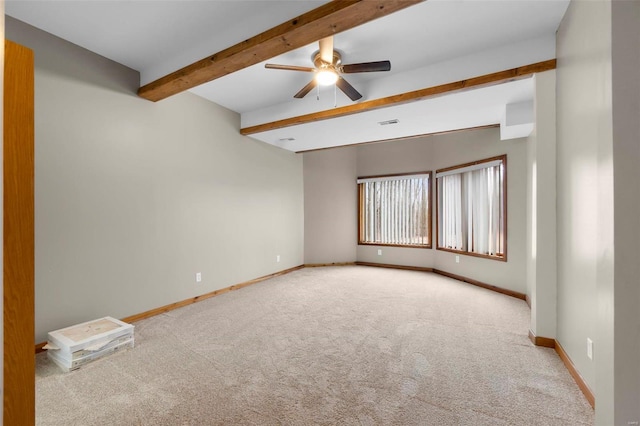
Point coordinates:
pixel 326 20
pixel 403 98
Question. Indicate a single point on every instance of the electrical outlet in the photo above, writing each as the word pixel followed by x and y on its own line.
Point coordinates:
pixel 589 348
pixel 278 258
pixel 457 259
pixel 198 277
pixel 379 252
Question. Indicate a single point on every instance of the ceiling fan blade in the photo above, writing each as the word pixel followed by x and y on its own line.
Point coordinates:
pixel 326 49
pixel 348 89
pixel 289 67
pixel 367 67
pixel 306 89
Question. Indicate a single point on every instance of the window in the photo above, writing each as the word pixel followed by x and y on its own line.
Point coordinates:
pixel 472 216
pixel 395 210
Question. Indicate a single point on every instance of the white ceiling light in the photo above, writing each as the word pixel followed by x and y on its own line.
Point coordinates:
pixel 326 77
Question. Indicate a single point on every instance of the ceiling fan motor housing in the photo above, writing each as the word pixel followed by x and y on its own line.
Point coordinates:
pixel 319 63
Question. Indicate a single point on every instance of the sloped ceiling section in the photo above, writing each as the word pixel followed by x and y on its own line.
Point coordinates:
pixel 430 43
pixel 468 109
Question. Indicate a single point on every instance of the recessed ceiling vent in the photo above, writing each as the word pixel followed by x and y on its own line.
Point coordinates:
pixel 386 123
pixel 286 139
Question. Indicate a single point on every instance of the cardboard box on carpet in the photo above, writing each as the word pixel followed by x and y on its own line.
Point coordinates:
pixel 77 345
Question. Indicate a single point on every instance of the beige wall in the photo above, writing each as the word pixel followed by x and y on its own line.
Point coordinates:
pixel 464 147
pixel 626 175
pixel 541 209
pixel 330 206
pixel 598 105
pixel 133 197
pixel 584 187
pixel 424 154
pixel 406 156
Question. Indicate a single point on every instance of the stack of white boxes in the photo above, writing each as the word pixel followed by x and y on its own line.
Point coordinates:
pixel 72 347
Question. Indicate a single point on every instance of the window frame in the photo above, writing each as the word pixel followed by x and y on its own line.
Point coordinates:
pixel 361 220
pixel 500 257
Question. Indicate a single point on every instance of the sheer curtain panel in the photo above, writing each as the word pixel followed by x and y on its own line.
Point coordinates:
pixel 471 208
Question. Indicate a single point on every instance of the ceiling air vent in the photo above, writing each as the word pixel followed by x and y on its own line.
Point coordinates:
pixel 286 139
pixel 386 123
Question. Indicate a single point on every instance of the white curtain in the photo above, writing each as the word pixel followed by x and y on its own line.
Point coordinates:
pixel 451 212
pixel 396 211
pixel 471 212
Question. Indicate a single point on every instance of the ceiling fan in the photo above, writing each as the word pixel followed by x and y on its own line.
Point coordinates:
pixel 328 70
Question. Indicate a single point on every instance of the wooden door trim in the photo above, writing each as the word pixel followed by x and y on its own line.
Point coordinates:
pixel 18 236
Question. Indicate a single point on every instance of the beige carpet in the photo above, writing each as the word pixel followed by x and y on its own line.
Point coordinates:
pixel 332 346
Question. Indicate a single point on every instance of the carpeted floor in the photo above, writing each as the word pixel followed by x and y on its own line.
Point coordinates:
pixel 347 345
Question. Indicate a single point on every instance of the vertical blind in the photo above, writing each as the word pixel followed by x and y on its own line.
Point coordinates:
pixel 395 210
pixel 471 209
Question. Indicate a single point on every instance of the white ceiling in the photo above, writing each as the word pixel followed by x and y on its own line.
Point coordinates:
pixel 431 43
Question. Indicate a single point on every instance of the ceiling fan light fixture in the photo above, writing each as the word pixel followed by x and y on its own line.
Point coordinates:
pixel 326 77
pixel 329 70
